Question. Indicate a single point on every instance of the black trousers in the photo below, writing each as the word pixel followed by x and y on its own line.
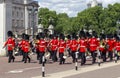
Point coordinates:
pixel 20 51
pixel 37 52
pixel 116 55
pixel 23 55
pixel 62 60
pixel 10 56
pixel 103 55
pixel 73 56
pixel 41 54
pixel 69 52
pixel 54 56
pixel 93 54
pixel 110 55
pixel 26 57
pixel 83 58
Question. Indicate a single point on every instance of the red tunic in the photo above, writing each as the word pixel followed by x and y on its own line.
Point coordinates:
pixel 10 43
pixel 68 43
pixel 37 45
pixel 54 44
pixel 22 43
pixel 42 45
pixel 110 43
pixel 61 46
pixel 26 47
pixel 73 45
pixel 93 44
pixel 82 45
pixel 117 46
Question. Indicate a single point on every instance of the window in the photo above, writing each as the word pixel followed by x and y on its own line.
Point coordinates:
pixel 17 14
pixel 13 13
pixel 17 23
pixel 22 23
pixel 13 23
pixel 21 14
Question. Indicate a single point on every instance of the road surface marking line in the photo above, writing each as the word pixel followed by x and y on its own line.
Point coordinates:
pixel 81 70
pixel 21 70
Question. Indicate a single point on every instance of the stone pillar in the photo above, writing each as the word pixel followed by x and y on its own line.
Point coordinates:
pixel 2 33
pixel 26 17
pixel 6 23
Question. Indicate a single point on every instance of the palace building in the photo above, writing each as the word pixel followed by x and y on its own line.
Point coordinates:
pixel 18 16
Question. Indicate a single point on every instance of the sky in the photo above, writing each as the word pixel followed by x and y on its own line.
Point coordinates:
pixel 71 7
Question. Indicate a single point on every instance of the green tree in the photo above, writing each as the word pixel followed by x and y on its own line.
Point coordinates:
pixel 96 18
pixel 45 14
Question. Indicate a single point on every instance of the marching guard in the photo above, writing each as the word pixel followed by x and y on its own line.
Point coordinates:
pixel 102 48
pixel 10 46
pixel 61 49
pixel 53 47
pixel 73 46
pixel 117 48
pixel 37 46
pixel 82 47
pixel 21 46
pixel 41 47
pixel 68 44
pixel 26 49
pixel 110 42
pixel 93 46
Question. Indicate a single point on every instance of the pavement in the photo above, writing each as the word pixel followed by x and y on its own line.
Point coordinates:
pixel 19 69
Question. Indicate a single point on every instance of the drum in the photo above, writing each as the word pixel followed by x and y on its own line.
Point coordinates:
pixel 66 54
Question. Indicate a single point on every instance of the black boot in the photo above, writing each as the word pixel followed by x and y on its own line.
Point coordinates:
pixel 29 60
pixel 13 59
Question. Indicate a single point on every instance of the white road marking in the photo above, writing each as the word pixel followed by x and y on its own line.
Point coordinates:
pixel 15 71
pixel 80 70
pixel 21 70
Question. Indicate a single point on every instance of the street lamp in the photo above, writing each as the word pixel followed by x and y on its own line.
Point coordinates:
pixel 40 26
pixel 33 10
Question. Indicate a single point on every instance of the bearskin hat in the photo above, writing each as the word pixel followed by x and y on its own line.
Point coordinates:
pixel 102 36
pixel 26 37
pixel 94 34
pixel 51 36
pixel 115 35
pixel 110 35
pixel 41 35
pixel 88 34
pixel 23 35
pixel 61 36
pixel 74 36
pixel 117 38
pixel 9 33
pixel 55 35
pixel 68 37
pixel 81 34
pixel 37 36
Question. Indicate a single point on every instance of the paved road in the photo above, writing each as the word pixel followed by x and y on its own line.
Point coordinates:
pixel 53 70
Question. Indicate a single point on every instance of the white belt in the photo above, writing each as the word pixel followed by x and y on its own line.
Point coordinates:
pixel 92 45
pixel 82 46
